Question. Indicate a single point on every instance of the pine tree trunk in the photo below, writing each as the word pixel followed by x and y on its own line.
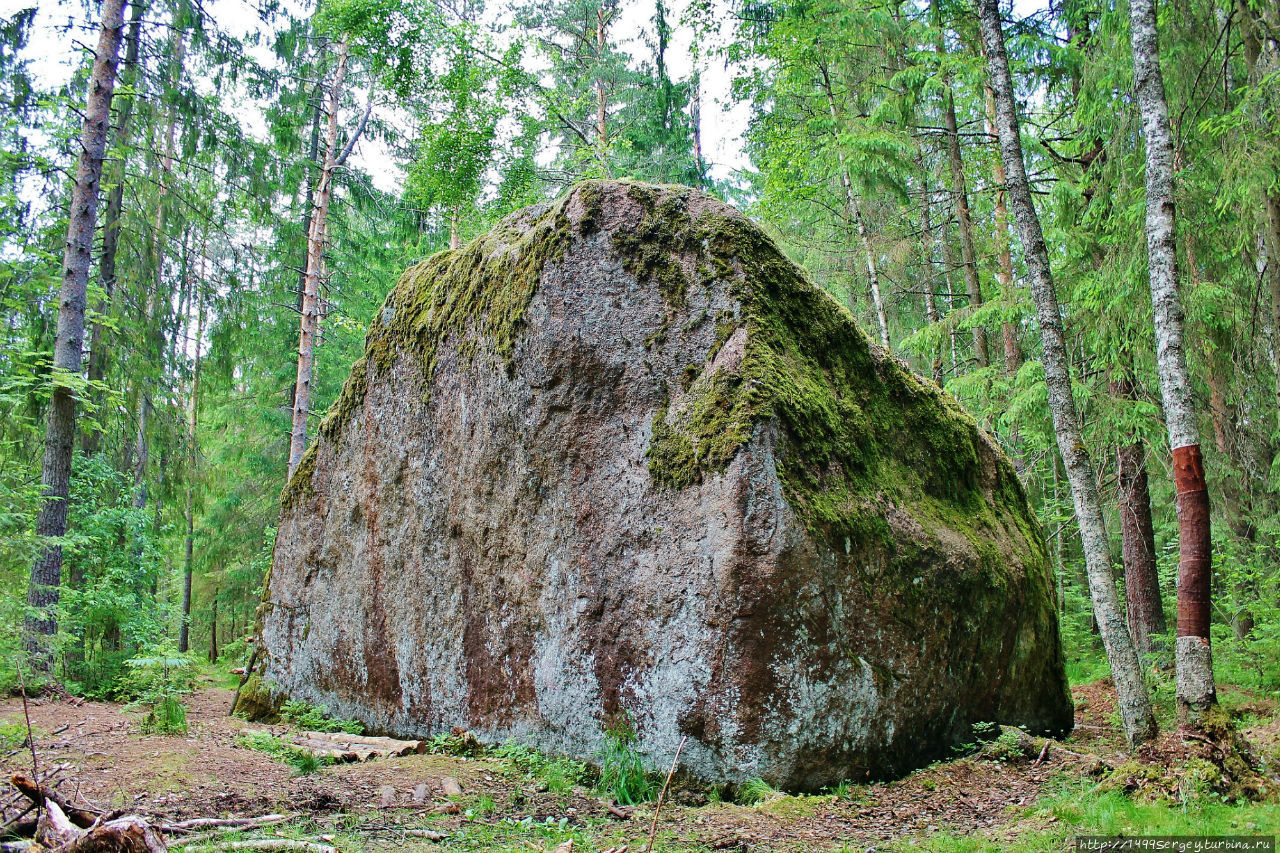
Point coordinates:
pixel 316 241
pixel 91 439
pixel 1131 694
pixel 960 196
pixel 51 522
pixel 1196 693
pixel 1004 255
pixel 1138 539
pixel 153 320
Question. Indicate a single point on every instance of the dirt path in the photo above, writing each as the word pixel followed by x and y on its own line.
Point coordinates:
pixel 207 774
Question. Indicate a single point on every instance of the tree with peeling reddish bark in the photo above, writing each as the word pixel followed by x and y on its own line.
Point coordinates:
pixel 1194 654
pixel 1137 536
pixel 68 350
pixel 1126 671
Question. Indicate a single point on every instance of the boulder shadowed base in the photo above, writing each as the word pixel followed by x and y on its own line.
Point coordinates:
pixel 619 457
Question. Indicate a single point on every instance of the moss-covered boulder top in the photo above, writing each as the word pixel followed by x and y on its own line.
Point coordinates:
pixel 619 459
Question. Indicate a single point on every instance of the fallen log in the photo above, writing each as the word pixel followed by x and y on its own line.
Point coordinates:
pixel 57 833
pixel 233 822
pixel 391 746
pixel 43 794
pixel 267 844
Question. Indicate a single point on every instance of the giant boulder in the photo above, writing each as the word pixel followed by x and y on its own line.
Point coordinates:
pixel 617 462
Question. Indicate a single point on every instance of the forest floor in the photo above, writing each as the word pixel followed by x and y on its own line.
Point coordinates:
pixel 992 800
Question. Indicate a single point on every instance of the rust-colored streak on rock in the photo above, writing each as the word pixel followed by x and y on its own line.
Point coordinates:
pixel 1195 546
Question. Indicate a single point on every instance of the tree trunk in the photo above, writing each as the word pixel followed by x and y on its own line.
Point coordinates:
pixel 1196 693
pixel 960 195
pixel 68 350
pixel 695 115
pixel 455 237
pixel 1138 539
pixel 193 457
pixel 1004 256
pixel 602 93
pixel 1272 244
pixel 91 439
pixel 213 630
pixel 854 210
pixel 1126 670
pixel 316 240
pixel 932 263
pixel 153 321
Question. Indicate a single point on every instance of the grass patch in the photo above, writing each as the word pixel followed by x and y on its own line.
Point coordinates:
pixel 622 773
pixel 303 761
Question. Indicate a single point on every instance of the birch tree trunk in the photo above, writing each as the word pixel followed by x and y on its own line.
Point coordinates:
pixel 1131 694
pixel 316 239
pixel 68 350
pixel 1194 654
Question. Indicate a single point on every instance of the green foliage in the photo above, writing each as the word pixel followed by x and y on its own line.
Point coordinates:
pixel 166 717
pixel 315 718
pixel 13 734
pixel 559 774
pixel 158 679
pixel 754 792
pixel 303 761
pixel 622 773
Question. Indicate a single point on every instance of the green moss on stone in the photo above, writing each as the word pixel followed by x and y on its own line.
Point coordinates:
pixel 256 700
pixel 650 250
pixel 480 290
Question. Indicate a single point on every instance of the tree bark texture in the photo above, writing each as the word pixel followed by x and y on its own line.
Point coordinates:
pixel 193 456
pixel 91 440
pixel 960 199
pixel 316 240
pixel 1132 699
pixel 51 522
pixel 1138 540
pixel 1195 553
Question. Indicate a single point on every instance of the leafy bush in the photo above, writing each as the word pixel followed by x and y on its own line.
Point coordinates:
pixel 166 717
pixel 315 718
pixel 622 773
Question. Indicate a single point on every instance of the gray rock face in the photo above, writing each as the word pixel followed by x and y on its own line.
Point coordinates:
pixel 618 459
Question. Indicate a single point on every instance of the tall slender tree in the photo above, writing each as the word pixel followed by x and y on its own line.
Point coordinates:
pixel 1194 651
pixel 51 524
pixel 1131 692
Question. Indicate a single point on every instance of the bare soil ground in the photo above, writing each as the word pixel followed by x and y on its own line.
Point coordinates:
pixel 368 806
